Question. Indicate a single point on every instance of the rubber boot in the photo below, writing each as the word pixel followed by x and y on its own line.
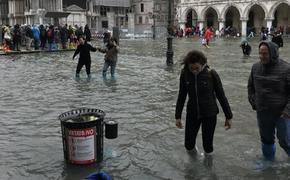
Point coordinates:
pixel 269 151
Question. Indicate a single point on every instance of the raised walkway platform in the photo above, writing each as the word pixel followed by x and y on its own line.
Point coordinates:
pixel 33 51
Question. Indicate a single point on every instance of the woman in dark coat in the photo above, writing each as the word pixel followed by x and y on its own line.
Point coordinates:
pixel 87 33
pixel 202 86
pixel 17 37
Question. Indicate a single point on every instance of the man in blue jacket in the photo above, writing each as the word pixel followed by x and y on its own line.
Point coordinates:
pixel 269 95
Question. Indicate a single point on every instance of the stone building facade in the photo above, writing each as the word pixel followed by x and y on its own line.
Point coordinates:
pixel 35 11
pixel 4 12
pixel 131 16
pixel 240 14
pixel 106 14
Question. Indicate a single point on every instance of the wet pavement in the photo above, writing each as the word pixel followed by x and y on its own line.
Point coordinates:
pixel 36 88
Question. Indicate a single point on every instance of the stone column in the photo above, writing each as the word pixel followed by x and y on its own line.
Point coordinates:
pixel 244 28
pixel 40 13
pixel 111 20
pixel 182 25
pixel 131 23
pixel 221 24
pixel 200 25
pixel 269 23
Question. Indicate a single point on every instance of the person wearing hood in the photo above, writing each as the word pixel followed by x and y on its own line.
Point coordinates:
pixel 246 47
pixel 277 38
pixel 36 36
pixel 203 86
pixel 269 96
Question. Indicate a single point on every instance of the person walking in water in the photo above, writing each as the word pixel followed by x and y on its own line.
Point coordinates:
pixel 269 96
pixel 202 85
pixel 246 47
pixel 85 58
pixel 207 36
pixel 111 52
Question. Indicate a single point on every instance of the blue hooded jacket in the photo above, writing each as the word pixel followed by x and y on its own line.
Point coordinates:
pixel 35 32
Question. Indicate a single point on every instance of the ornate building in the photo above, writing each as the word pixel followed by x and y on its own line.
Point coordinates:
pixel 131 16
pixel 35 11
pixel 106 14
pixel 242 15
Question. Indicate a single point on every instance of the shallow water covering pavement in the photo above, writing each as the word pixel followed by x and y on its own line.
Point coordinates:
pixel 36 88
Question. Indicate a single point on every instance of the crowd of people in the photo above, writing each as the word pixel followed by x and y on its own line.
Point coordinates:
pixel 196 31
pixel 44 37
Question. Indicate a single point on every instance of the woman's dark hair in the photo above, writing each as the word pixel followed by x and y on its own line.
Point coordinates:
pixel 194 56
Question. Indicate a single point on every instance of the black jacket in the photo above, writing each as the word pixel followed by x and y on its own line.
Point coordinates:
pixel 269 85
pixel 84 51
pixel 278 40
pixel 202 91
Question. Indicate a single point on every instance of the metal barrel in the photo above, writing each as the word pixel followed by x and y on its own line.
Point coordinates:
pixel 82 135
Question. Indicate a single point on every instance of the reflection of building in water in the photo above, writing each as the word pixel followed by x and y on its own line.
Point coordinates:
pixel 241 15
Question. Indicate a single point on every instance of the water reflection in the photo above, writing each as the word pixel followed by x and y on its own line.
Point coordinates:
pixel 35 89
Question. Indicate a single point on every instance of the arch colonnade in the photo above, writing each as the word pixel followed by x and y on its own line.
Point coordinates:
pixel 241 15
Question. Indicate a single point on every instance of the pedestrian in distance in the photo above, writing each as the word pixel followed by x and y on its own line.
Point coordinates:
pixel 269 96
pixel 85 57
pixel 246 47
pixel 207 36
pixel 17 37
pixel 202 85
pixel 277 38
pixel 111 56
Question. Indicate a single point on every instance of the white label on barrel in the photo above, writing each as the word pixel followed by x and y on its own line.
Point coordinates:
pixel 81 145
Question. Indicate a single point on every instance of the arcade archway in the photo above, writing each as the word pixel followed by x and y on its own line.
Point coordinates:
pixel 256 19
pixel 232 19
pixel 282 18
pixel 211 18
pixel 191 18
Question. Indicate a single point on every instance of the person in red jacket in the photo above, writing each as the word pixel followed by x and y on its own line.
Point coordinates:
pixel 207 35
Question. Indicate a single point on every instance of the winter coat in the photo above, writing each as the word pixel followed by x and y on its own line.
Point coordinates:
pixel 111 53
pixel 36 33
pixel 84 51
pixel 28 32
pixel 87 33
pixel 278 40
pixel 269 84
pixel 202 91
pixel 17 34
pixel 208 34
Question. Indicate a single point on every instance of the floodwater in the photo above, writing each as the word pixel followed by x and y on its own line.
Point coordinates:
pixel 36 88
